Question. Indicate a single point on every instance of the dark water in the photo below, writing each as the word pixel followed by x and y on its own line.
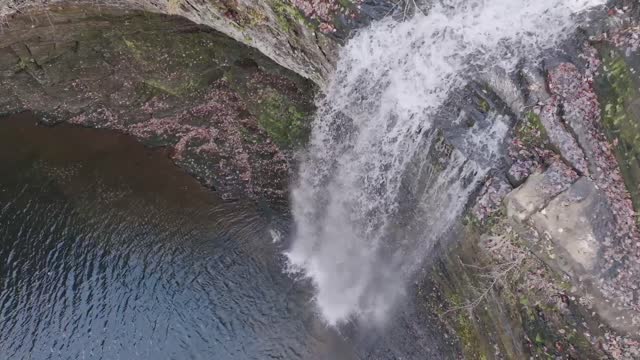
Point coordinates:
pixel 108 251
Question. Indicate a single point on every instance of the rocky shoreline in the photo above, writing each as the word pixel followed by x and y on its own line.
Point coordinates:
pixel 231 117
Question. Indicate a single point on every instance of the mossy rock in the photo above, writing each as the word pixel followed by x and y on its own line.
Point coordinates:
pixel 617 88
pixel 511 321
pixel 531 131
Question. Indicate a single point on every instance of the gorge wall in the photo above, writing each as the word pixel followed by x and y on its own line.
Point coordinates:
pixel 302 35
pixel 228 114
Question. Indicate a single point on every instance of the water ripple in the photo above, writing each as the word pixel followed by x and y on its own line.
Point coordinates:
pixel 110 264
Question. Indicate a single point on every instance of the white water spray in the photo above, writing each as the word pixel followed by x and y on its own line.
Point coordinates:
pixel 378 186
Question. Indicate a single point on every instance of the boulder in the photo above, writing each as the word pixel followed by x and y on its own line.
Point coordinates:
pixel 577 221
pixel 538 191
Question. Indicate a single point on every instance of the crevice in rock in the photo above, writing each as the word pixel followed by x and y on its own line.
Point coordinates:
pixel 315 34
pixel 560 112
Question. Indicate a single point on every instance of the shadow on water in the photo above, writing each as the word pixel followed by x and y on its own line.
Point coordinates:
pixel 109 251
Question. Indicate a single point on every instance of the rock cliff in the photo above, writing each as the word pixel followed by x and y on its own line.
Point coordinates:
pixel 230 115
pixel 302 35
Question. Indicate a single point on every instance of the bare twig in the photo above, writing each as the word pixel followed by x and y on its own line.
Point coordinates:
pixel 500 247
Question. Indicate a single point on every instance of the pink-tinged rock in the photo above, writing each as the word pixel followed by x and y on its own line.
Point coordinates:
pixel 619 264
pixel 324 11
pixel 520 171
pixel 490 199
pixel 539 189
pixel 582 113
pixel 560 137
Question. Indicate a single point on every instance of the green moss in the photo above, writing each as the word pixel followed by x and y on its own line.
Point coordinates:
pixel 23 65
pixel 471 221
pixel 461 321
pixel 484 105
pixel 287 15
pixel 283 19
pixel 286 125
pixel 183 64
pixel 134 49
pixel 250 136
pixel 282 111
pixel 173 6
pixel 158 85
pixel 457 286
pixel 531 131
pixel 534 121
pixel 466 332
pixel 189 62
pixel 619 97
pixel 255 17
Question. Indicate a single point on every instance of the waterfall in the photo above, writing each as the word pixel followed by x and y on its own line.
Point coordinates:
pixel 378 185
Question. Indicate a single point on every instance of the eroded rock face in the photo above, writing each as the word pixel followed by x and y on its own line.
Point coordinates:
pixel 228 113
pixel 578 221
pixel 302 35
pixel 561 138
pixel 574 228
pixel 561 260
pixel 538 191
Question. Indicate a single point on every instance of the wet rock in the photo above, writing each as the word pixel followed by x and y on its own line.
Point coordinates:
pixel 538 190
pixel 476 121
pixel 505 87
pixel 301 35
pixel 490 199
pixel 535 85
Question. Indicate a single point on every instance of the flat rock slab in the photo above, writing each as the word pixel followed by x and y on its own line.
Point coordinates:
pixel 580 225
pixel 569 224
pixel 577 222
pixel 539 190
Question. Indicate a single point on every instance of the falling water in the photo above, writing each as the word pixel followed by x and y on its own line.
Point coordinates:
pixel 379 186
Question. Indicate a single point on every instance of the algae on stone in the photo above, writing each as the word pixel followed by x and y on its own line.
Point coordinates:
pixel 226 113
pixel 621 116
pixel 526 313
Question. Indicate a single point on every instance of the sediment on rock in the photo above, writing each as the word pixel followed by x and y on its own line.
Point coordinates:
pixel 230 115
pixel 569 224
pixel 301 35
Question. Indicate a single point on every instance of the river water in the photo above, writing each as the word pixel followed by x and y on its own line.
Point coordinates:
pixel 109 251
